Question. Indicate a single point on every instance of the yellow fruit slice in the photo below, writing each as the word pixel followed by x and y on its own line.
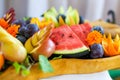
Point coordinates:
pixel 34 39
pixel 61 21
pixel 28 45
pixel 72 22
pixel 34 42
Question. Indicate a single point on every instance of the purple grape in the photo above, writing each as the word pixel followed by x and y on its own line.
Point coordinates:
pixel 21 38
pixel 31 29
pixel 19 22
pixel 22 30
pixel 96 51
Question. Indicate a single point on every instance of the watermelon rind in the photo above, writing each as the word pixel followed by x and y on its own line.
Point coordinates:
pixel 71 51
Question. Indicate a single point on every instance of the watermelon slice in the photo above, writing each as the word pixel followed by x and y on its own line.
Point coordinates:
pixel 82 31
pixel 78 30
pixel 86 28
pixel 67 42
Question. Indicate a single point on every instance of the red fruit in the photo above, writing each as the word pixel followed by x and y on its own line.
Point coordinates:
pixel 46 49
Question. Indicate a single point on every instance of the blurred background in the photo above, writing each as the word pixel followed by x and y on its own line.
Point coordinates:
pixel 89 9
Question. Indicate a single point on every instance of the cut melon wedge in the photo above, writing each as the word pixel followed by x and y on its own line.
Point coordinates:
pixel 67 42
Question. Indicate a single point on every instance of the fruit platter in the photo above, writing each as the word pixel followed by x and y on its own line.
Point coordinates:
pixel 62 42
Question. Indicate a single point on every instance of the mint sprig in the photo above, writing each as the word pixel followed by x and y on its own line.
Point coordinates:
pixel 44 64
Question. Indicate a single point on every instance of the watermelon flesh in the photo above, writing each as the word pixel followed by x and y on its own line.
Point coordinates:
pixel 86 28
pixel 79 32
pixel 82 31
pixel 66 41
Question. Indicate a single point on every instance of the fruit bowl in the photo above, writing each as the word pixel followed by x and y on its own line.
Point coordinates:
pixel 70 36
pixel 81 66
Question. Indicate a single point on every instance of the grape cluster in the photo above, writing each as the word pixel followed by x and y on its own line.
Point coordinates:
pixel 26 29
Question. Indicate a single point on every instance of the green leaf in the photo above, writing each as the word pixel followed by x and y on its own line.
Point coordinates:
pixel 23 67
pixel 17 66
pixel 25 72
pixel 26 18
pixel 44 64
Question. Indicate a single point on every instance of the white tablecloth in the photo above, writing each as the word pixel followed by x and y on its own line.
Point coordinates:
pixel 94 76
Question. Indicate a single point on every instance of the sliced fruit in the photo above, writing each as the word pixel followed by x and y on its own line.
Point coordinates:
pixel 94 37
pixel 9 16
pixel 72 21
pixel 81 31
pixel 76 16
pixel 70 17
pixel 28 45
pixel 34 39
pixel 67 42
pixel 34 42
pixel 61 10
pixel 61 21
pixel 111 46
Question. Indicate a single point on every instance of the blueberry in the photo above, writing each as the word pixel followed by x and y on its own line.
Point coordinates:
pixel 81 20
pixel 96 51
pixel 63 17
pixel 19 22
pixel 98 28
pixel 21 38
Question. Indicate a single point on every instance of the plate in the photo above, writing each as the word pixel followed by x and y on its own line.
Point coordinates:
pixel 94 76
pixel 66 66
